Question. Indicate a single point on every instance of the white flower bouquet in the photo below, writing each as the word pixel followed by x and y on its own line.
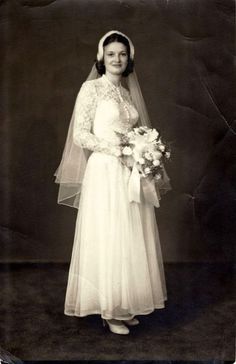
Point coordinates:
pixel 143 147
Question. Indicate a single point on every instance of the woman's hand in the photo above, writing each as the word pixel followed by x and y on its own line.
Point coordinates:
pixel 116 151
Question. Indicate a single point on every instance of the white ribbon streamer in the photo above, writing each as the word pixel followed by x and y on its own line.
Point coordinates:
pixel 138 186
pixel 150 191
pixel 134 185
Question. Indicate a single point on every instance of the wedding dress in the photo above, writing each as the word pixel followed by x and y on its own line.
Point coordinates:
pixel 116 268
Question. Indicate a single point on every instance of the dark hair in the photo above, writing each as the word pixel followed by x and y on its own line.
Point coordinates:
pixel 115 37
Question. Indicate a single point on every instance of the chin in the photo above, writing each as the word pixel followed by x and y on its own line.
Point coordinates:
pixel 117 71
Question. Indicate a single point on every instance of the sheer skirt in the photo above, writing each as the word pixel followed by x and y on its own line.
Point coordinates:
pixel 116 268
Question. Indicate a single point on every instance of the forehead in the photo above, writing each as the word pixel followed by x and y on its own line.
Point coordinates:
pixel 116 47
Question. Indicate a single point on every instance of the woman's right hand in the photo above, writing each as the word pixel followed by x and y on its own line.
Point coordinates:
pixel 116 151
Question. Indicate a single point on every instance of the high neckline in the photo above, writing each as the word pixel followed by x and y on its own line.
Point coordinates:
pixel 110 82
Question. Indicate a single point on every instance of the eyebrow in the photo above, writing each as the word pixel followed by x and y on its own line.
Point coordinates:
pixel 123 51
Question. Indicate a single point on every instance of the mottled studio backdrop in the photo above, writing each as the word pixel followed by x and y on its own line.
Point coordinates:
pixel 184 60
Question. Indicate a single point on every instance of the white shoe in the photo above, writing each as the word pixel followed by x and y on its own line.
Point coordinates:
pixel 132 322
pixel 116 326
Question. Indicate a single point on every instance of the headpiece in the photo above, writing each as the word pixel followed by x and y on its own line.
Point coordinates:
pixel 101 49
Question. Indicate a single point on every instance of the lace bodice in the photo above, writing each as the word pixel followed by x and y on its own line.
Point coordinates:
pixel 101 110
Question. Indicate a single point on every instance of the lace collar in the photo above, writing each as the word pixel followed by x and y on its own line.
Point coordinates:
pixel 109 82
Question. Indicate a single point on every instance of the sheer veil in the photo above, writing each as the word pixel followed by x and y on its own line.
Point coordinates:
pixel 69 175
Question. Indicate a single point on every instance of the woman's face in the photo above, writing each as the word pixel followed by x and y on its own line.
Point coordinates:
pixel 115 58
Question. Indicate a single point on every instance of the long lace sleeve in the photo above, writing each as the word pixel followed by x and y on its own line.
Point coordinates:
pixel 85 108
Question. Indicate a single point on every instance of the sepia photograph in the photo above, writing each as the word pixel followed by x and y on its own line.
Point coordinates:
pixel 118 183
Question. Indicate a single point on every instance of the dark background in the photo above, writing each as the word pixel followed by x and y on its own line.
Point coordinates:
pixel 184 60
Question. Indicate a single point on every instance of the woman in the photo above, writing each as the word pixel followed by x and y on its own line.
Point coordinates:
pixel 116 268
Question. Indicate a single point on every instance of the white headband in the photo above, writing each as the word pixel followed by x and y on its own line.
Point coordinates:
pixel 100 44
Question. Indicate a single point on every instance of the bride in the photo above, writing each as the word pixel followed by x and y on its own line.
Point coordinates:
pixel 116 268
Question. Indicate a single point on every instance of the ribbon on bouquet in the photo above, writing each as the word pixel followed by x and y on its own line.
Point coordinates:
pixel 142 188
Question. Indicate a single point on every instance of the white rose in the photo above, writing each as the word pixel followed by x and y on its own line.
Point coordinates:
pixel 156 162
pixel 152 135
pixel 148 156
pixel 157 155
pixel 157 176
pixel 162 147
pixel 141 160
pixel 147 170
pixel 127 151
pixel 167 154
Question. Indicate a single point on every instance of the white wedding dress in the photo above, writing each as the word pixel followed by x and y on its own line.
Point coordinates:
pixel 116 267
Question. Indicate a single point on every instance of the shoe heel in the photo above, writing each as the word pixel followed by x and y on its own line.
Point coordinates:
pixel 104 323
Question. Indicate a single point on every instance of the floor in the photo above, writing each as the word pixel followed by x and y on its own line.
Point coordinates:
pixel 197 323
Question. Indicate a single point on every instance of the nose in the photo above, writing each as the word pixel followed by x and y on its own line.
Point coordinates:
pixel 117 58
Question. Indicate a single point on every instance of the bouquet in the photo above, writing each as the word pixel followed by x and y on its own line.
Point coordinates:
pixel 144 148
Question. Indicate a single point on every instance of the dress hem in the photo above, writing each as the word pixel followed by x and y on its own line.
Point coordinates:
pixel 111 317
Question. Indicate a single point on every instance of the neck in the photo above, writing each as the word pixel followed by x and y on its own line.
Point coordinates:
pixel 115 79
